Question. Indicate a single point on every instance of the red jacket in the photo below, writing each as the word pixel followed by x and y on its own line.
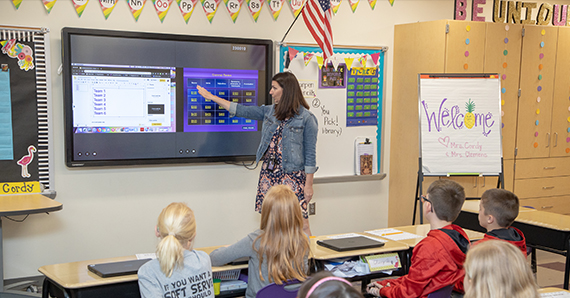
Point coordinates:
pixel 437 261
pixel 511 234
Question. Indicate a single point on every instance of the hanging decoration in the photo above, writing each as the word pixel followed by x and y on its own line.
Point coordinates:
pixel 255 7
pixel 353 4
pixel 335 5
pixel 210 7
pixel 372 4
pixel 334 62
pixel 348 62
pixel 186 8
pixel 391 2
pixel 17 3
pixel 80 6
pixel 107 6
pixel 136 7
pixel 233 6
pixel 296 6
pixel 375 58
pixel 48 4
pixel 292 53
pixel 275 6
pixel 161 7
pixel 320 61
pixel 307 58
pixel 363 60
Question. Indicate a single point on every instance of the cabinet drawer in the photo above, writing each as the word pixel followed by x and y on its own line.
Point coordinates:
pixel 559 204
pixel 542 167
pixel 542 187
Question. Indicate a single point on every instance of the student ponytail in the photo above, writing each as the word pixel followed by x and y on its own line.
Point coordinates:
pixel 177 229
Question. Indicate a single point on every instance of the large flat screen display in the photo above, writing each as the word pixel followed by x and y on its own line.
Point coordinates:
pixel 131 97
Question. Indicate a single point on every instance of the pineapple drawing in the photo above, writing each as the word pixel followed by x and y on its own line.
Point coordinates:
pixel 469 117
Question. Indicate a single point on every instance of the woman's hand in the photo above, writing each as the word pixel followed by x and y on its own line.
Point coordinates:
pixel 205 93
pixel 208 95
pixel 309 188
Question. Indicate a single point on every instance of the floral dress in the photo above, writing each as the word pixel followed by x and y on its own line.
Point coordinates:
pixel 267 177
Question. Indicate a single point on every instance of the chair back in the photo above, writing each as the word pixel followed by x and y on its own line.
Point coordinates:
pixel 444 292
pixel 286 290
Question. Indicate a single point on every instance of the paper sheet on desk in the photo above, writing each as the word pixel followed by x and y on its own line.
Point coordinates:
pixel 561 294
pixel 393 234
pixel 146 256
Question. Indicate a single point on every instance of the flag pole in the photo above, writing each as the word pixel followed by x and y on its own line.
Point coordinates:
pixel 300 12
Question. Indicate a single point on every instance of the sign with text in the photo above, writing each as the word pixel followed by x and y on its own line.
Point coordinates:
pixel 460 124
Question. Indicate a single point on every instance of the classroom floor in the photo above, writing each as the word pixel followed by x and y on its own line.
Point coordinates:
pixel 550 273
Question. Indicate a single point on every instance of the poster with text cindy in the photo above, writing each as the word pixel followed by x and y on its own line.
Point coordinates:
pixel 460 124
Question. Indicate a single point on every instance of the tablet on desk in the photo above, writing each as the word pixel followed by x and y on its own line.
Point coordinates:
pixel 117 268
pixel 351 243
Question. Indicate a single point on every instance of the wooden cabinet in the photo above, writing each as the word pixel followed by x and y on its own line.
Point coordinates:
pixel 535 127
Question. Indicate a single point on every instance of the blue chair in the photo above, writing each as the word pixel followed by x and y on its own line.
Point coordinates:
pixel 444 292
pixel 286 290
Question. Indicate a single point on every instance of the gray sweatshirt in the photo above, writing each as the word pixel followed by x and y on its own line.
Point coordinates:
pixel 244 248
pixel 192 281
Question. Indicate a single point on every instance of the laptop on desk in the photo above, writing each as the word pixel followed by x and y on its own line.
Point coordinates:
pixel 351 243
pixel 117 268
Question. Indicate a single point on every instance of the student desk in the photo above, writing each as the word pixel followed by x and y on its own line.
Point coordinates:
pixel 543 230
pixel 423 230
pixel 75 280
pixel 320 254
pixel 13 205
pixel 552 290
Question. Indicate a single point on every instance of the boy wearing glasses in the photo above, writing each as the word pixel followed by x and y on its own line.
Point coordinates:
pixel 437 261
pixel 498 209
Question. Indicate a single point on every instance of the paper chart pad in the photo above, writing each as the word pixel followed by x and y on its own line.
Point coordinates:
pixel 393 234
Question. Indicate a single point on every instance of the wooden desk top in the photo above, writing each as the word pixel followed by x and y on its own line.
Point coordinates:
pixel 545 219
pixel 473 207
pixel 27 204
pixel 552 290
pixel 423 230
pixel 322 253
pixel 75 275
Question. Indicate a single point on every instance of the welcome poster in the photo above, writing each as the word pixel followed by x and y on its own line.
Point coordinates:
pixel 460 124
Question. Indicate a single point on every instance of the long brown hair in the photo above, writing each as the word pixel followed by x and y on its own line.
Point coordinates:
pixel 291 98
pixel 176 226
pixel 282 241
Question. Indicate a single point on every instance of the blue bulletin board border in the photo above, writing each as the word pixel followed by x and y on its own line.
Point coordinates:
pixel 283 49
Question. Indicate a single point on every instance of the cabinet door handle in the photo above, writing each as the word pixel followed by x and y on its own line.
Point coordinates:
pixel 475 184
pixel 546 207
pixel 547 187
pixel 483 185
pixel 547 140
pixel 555 139
pixel 549 168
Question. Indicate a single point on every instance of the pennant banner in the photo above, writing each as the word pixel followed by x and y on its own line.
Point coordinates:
pixel 17 3
pixel 296 6
pixel 391 2
pixel 48 4
pixel 254 7
pixel 210 7
pixel 80 6
pixel 320 61
pixel 335 4
pixel 275 6
pixel 186 8
pixel 307 57
pixel 136 7
pixel 363 60
pixel 233 6
pixel 375 58
pixel 162 7
pixel 348 62
pixel 292 53
pixel 372 4
pixel 107 6
pixel 353 4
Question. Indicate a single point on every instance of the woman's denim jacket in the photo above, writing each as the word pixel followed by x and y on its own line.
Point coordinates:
pixel 299 140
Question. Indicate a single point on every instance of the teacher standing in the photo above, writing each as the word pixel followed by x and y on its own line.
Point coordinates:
pixel 288 139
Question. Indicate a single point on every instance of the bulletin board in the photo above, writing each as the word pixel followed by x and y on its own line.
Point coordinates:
pixel 346 96
pixel 460 124
pixel 25 111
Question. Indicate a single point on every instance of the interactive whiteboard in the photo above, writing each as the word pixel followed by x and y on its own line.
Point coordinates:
pixel 460 124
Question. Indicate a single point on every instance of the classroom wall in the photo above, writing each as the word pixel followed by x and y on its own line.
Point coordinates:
pixel 110 212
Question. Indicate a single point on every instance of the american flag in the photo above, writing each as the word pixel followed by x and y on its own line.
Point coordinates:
pixel 317 15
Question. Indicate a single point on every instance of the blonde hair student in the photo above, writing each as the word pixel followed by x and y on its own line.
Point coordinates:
pixel 178 271
pixel 498 269
pixel 278 250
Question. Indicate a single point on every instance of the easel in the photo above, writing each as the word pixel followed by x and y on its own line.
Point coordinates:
pixel 420 180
